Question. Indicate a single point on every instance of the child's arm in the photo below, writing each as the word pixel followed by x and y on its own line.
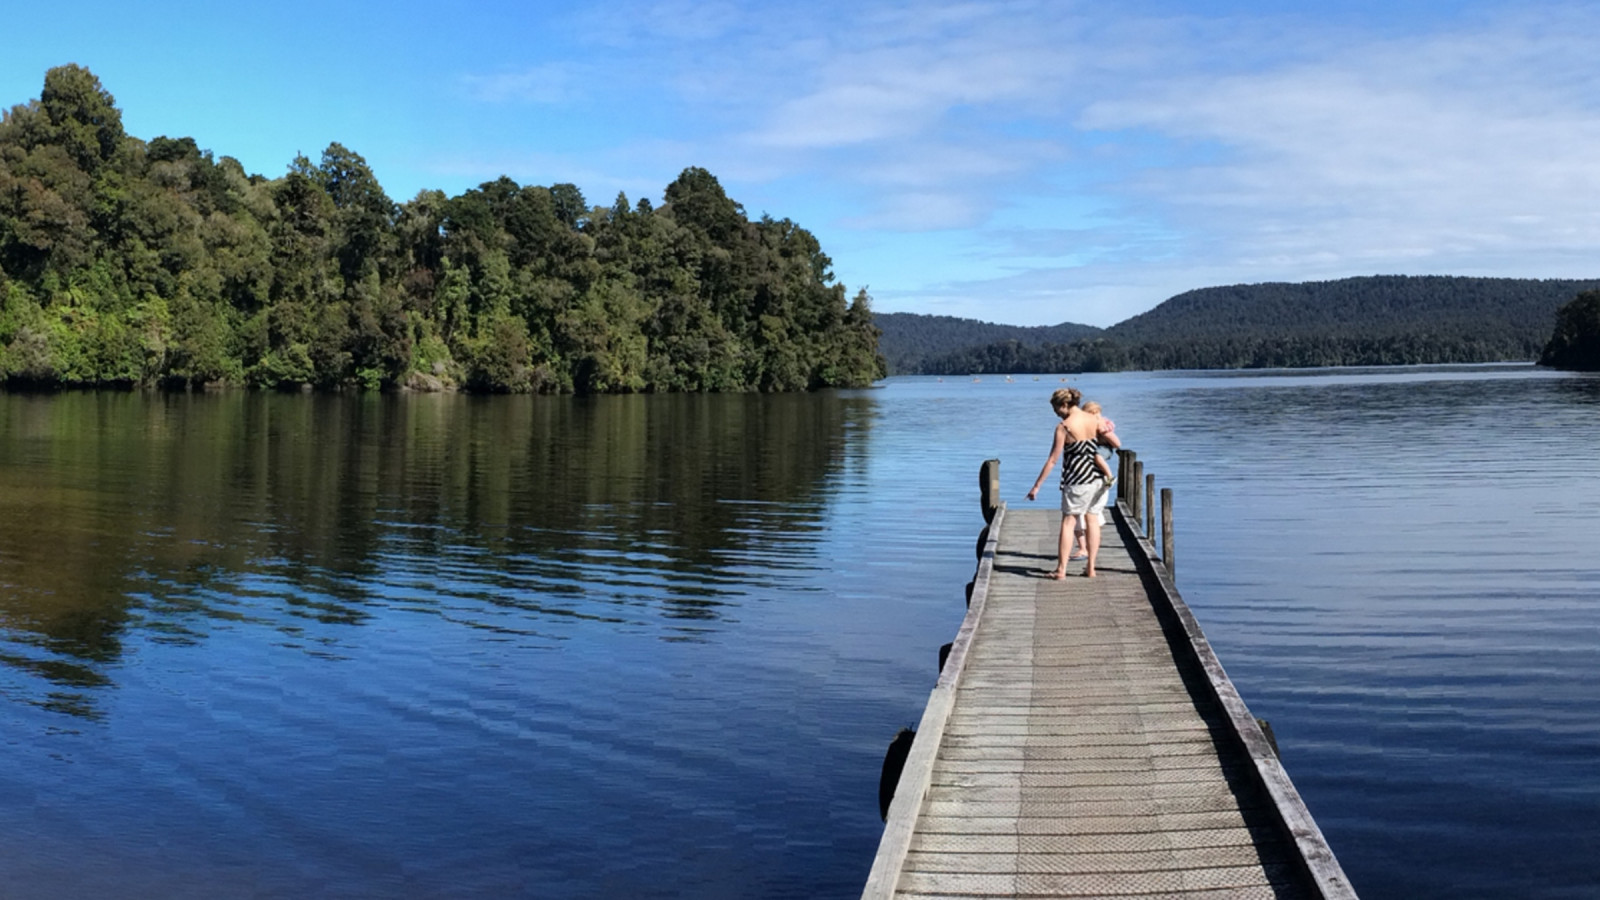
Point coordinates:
pixel 1106 433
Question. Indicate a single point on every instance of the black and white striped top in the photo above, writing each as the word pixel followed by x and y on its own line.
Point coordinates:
pixel 1077 463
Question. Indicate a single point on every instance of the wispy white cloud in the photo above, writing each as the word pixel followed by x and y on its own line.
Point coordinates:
pixel 1091 159
pixel 894 93
pixel 546 83
pixel 1427 154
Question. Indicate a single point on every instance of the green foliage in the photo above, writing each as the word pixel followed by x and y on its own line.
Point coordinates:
pixel 1575 345
pixel 83 118
pixel 200 337
pixel 124 262
pixel 501 360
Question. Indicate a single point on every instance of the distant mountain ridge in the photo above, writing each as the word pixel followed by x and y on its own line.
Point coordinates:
pixel 910 338
pixel 1368 320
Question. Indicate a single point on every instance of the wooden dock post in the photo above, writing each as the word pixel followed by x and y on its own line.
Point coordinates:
pixel 1129 490
pixel 1166 531
pixel 1138 484
pixel 989 488
pixel 1149 506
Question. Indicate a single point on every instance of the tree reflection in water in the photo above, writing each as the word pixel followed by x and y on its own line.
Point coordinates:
pixel 169 516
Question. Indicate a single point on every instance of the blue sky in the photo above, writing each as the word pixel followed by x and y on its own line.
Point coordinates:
pixel 1019 162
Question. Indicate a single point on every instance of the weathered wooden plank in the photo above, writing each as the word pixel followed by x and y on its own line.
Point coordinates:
pixel 1174 780
pixel 1005 702
pixel 1063 746
pixel 1009 706
pixel 1240 856
pixel 1061 717
pixel 1106 768
pixel 1089 694
pixel 946 774
pixel 1078 796
pixel 1043 805
pixel 1254 892
pixel 1084 825
pixel 1011 842
pixel 1099 884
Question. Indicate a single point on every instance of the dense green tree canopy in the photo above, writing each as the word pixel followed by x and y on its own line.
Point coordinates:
pixel 130 262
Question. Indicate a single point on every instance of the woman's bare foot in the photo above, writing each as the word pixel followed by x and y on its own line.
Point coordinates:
pixel 1089 573
pixel 1059 574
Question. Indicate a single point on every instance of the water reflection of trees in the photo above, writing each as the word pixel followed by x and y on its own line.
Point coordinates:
pixel 161 518
pixel 1582 389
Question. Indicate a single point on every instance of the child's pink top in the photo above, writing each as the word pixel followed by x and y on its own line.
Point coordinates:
pixel 1106 426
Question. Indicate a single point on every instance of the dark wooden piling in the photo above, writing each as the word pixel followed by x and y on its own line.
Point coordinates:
pixel 1166 532
pixel 1149 506
pixel 1138 486
pixel 989 488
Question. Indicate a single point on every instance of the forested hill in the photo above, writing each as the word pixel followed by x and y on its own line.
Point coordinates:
pixel 130 262
pixel 1376 320
pixel 1505 310
pixel 909 338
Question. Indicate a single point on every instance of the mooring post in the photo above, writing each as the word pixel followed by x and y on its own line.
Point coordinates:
pixel 989 488
pixel 1138 482
pixel 1130 491
pixel 1149 506
pixel 1166 531
pixel 1122 475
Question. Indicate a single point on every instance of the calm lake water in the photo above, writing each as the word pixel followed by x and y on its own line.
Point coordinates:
pixel 443 646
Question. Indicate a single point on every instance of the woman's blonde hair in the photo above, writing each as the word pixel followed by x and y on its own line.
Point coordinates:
pixel 1065 398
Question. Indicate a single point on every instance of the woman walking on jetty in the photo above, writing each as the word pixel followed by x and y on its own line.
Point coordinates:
pixel 1083 490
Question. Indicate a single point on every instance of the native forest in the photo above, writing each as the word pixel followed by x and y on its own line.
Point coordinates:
pixel 126 262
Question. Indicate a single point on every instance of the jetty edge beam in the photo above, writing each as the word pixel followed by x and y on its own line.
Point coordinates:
pixel 918 772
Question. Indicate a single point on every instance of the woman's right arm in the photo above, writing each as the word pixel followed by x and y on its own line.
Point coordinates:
pixel 1058 442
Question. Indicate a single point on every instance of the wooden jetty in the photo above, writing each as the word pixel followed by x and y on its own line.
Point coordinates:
pixel 1084 741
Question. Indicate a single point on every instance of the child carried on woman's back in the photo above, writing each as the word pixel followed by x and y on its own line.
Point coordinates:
pixel 1107 435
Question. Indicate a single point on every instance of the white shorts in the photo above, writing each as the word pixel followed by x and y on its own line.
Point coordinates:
pixel 1082 499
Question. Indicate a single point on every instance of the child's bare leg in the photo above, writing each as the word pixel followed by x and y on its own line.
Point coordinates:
pixel 1092 524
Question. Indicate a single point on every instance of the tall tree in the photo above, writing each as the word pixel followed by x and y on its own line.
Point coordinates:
pixel 83 117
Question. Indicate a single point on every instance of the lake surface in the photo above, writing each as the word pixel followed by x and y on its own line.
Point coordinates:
pixel 444 646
